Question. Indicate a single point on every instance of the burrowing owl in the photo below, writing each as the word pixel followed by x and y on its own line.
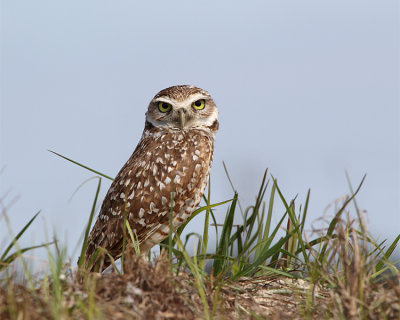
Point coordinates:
pixel 173 156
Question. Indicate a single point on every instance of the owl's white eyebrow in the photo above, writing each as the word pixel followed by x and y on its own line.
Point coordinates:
pixel 165 99
pixel 190 99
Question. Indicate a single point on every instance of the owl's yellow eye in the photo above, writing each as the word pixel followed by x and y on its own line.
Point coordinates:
pixel 164 107
pixel 199 104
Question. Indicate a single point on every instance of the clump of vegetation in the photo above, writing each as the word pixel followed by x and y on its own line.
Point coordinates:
pixel 256 270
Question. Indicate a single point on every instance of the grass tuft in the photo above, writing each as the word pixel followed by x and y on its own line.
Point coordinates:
pixel 258 270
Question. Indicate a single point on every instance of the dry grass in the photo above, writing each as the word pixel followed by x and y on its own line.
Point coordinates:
pixel 340 288
pixel 146 291
pixel 342 273
pixel 349 272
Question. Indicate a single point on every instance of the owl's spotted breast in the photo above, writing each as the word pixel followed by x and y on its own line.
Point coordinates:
pixel 177 161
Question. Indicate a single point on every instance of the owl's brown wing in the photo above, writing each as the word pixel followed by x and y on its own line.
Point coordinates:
pixel 107 231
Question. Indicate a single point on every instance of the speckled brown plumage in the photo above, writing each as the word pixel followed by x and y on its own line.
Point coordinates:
pixel 169 158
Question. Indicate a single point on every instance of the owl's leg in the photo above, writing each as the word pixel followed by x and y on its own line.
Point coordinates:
pixel 132 258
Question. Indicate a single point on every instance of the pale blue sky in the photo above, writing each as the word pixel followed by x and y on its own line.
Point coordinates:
pixel 305 88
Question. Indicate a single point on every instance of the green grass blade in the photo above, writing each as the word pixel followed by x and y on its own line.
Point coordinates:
pixel 171 226
pixel 239 242
pixel 89 225
pixel 7 260
pixel 316 241
pixel 133 237
pixel 293 219
pixel 259 198
pixel 215 226
pixel 269 212
pixel 304 215
pixel 232 186
pixel 213 218
pixel 243 227
pixel 260 228
pixel 269 240
pixel 197 275
pixel 83 166
pixel 274 232
pixel 204 243
pixel 225 235
pixel 199 210
pixel 12 243
pixel 355 202
pixel 197 236
pixel 277 272
pixel 387 254
pixel 290 254
pixel 268 219
pixel 252 268
pixel 335 220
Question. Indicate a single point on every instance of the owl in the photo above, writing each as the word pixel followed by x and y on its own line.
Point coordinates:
pixel 167 173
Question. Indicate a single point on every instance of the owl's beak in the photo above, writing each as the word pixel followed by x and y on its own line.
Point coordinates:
pixel 182 118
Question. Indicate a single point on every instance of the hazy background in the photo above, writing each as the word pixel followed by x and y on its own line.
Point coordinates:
pixel 305 88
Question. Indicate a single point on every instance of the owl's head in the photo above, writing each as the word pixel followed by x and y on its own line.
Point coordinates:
pixel 182 107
